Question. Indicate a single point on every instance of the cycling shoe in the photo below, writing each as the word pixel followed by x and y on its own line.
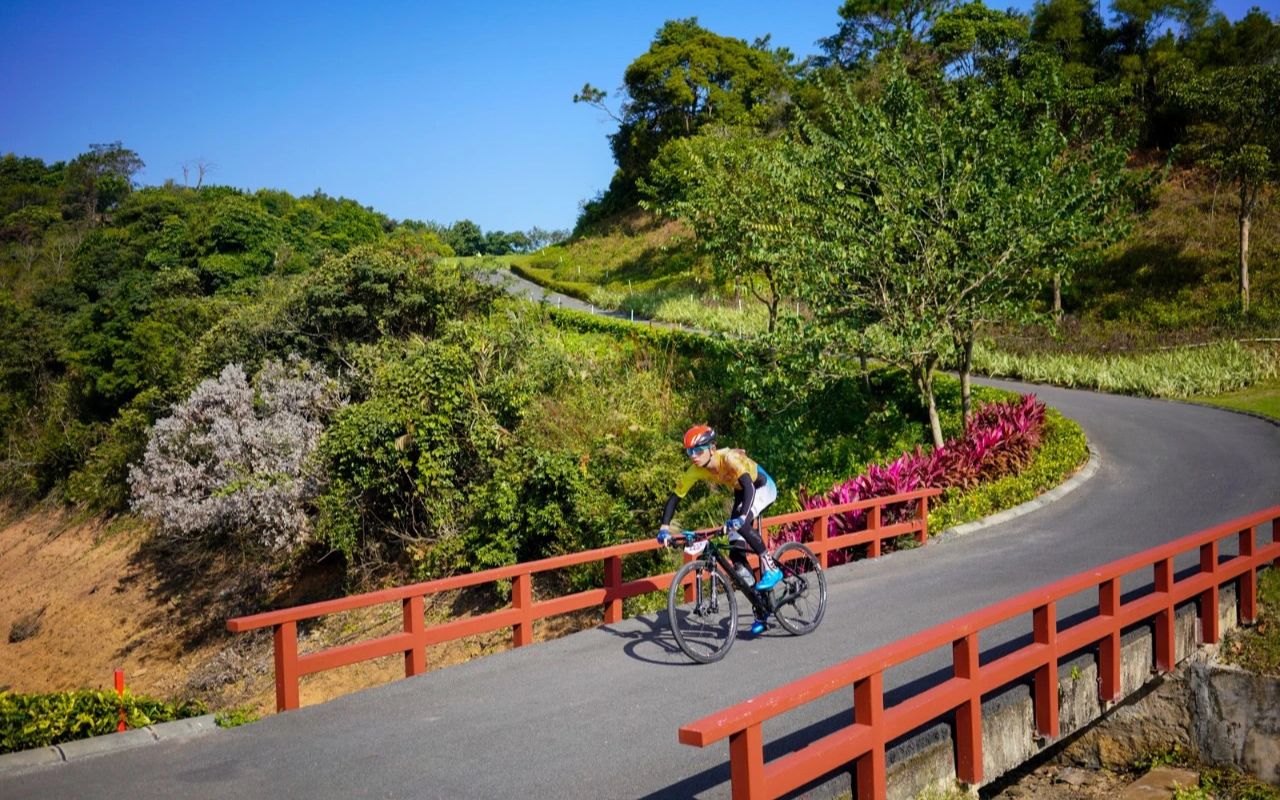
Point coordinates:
pixel 769 580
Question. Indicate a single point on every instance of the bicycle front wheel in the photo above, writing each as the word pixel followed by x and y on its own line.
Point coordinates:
pixel 706 627
pixel 803 596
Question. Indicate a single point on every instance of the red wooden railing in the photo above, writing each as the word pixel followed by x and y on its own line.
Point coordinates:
pixel 290 666
pixel 873 725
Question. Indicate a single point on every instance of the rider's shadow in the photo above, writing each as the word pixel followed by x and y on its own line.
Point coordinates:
pixel 649 638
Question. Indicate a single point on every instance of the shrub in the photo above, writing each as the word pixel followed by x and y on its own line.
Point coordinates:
pixel 1185 372
pixel 1000 439
pixel 1062 450
pixel 102 484
pixel 40 720
pixel 235 460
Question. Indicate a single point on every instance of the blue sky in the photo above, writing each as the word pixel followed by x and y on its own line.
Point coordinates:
pixel 428 110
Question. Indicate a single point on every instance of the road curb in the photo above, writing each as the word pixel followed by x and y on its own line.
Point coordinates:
pixel 25 760
pixel 1086 472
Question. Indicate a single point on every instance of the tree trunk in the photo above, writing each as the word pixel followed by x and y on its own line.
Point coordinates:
pixel 1057 295
pixel 1244 257
pixel 866 373
pixel 923 374
pixel 966 369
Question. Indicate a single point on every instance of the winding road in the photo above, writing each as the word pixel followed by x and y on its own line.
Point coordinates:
pixel 595 714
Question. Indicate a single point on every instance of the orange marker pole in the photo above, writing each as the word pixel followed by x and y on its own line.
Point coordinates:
pixel 121 727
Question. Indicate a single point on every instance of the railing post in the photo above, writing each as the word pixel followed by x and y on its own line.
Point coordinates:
pixel 1166 644
pixel 613 588
pixel 1249 580
pixel 873 525
pixel 868 709
pixel 746 763
pixel 1208 600
pixel 964 653
pixel 923 535
pixel 286 653
pixel 1045 629
pixel 1109 648
pixel 1275 537
pixel 522 600
pixel 415 659
pixel 820 539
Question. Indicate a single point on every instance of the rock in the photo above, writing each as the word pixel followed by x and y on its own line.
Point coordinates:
pixel 1160 784
pixel 1073 776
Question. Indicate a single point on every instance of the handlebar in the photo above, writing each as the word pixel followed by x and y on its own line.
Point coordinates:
pixel 686 538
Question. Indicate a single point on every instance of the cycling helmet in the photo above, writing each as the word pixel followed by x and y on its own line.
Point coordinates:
pixel 699 435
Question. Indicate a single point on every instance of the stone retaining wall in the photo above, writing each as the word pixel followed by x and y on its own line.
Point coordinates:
pixel 1222 717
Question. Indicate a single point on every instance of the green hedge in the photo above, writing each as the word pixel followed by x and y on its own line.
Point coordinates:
pixel 39 720
pixel 1063 449
pixel 542 277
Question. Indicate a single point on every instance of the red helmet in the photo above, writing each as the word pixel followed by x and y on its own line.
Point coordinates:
pixel 699 435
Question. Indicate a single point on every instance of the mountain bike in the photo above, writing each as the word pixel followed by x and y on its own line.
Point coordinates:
pixel 706 626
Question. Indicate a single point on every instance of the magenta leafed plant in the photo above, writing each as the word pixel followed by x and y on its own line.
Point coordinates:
pixel 1000 439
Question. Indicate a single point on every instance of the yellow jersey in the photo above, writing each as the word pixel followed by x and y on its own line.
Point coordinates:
pixel 726 467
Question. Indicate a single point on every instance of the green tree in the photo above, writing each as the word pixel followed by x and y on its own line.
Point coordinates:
pixel 869 27
pixel 99 179
pixel 1139 21
pixel 688 78
pixel 1074 31
pixel 734 190
pixel 1254 39
pixel 932 203
pixel 465 237
pixel 972 38
pixel 1237 136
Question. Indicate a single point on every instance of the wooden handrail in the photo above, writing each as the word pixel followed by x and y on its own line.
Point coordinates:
pixel 524 610
pixel 864 742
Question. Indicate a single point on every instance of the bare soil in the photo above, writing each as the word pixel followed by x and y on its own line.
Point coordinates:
pixel 1058 782
pixel 82 598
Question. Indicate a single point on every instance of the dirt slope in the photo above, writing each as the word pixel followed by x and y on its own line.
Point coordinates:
pixel 80 599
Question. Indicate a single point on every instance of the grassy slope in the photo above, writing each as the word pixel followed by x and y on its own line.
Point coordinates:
pixel 1261 398
pixel 1174 279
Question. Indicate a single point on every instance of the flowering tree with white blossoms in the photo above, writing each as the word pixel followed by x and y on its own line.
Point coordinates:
pixel 235 459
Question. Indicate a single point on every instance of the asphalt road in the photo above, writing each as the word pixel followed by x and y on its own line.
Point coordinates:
pixel 595 714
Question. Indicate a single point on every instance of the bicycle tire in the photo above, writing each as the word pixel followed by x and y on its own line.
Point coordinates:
pixel 805 589
pixel 706 629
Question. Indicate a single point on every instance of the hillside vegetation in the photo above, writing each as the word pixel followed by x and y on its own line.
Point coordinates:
pixel 294 380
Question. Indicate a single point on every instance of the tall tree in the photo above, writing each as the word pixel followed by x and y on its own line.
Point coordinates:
pixel 99 179
pixel 737 195
pixel 870 27
pixel 1074 31
pixel 931 205
pixel 1237 136
pixel 973 39
pixel 465 237
pixel 688 78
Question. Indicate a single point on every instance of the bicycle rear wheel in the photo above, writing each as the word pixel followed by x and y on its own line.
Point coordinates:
pixel 803 599
pixel 704 629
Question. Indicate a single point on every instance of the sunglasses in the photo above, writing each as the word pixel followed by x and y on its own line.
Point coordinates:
pixel 693 451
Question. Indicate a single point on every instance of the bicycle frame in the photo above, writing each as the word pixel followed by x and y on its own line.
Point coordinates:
pixel 713 556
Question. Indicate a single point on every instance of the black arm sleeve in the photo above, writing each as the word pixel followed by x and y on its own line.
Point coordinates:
pixel 748 489
pixel 670 510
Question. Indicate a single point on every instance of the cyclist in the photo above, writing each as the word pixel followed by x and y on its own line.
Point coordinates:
pixel 753 491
